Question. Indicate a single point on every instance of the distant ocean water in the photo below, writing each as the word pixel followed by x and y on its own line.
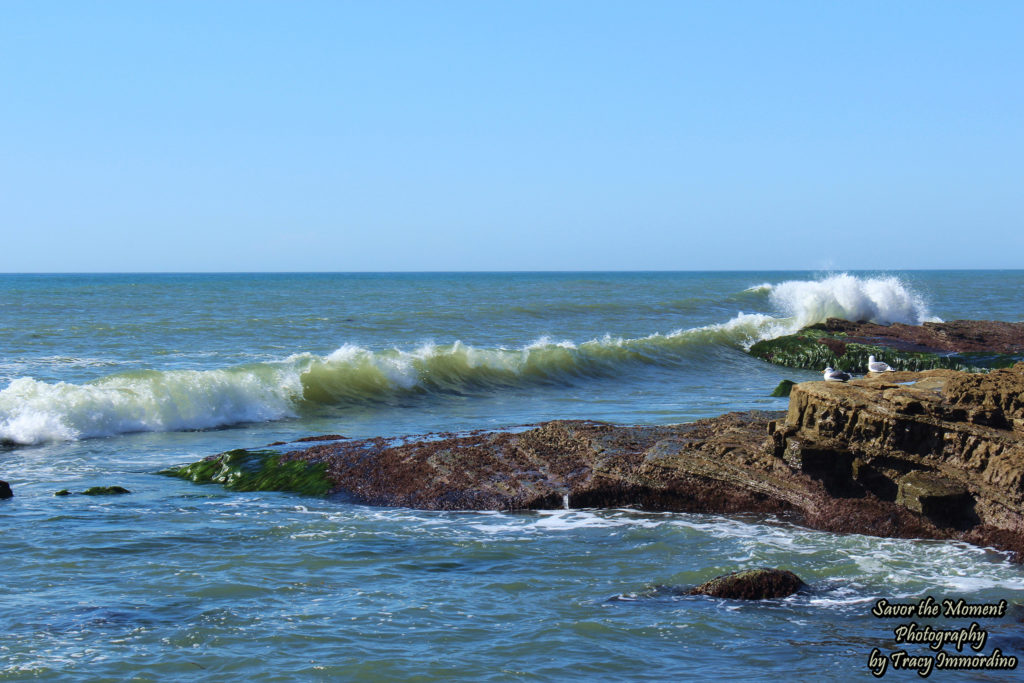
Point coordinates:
pixel 105 379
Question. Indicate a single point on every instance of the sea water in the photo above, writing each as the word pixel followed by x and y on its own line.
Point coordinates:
pixel 106 379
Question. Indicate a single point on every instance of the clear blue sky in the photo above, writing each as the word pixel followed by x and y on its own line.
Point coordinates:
pixel 554 135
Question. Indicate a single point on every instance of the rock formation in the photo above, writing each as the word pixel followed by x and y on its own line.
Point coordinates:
pixel 935 454
pixel 844 345
pixel 946 445
pixel 751 584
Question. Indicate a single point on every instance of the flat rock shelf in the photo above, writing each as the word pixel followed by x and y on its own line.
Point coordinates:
pixel 934 454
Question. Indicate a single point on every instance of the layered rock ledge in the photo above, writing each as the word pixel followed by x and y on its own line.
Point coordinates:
pixel 935 454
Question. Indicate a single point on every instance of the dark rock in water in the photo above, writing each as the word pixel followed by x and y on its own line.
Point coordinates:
pixel 322 437
pixel 105 491
pixel 782 391
pixel 5 490
pixel 751 584
pixel 97 491
pixel 844 345
pixel 937 454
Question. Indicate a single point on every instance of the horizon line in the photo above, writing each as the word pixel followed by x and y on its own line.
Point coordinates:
pixel 497 272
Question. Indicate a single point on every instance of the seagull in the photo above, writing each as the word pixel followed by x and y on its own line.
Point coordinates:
pixel 878 366
pixel 835 375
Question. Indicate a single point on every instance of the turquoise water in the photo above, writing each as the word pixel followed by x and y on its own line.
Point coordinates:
pixel 105 379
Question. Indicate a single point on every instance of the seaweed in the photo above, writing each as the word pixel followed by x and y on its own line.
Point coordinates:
pixel 256 470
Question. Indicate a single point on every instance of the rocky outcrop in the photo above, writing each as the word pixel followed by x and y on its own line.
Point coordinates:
pixel 5 490
pixel 751 584
pixel 935 454
pixel 845 345
pixel 946 445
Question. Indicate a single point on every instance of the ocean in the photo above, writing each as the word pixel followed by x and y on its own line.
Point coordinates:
pixel 106 379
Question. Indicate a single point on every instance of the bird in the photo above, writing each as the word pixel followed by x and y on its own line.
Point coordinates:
pixel 835 375
pixel 878 366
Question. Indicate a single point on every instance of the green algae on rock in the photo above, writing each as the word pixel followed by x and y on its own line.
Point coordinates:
pixel 811 350
pixel 844 345
pixel 105 491
pixel 256 470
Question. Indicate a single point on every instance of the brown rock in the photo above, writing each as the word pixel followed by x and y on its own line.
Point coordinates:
pixel 936 454
pixel 954 432
pixel 752 584
pixel 957 336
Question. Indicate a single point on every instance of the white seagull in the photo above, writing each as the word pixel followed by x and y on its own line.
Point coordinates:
pixel 878 366
pixel 835 375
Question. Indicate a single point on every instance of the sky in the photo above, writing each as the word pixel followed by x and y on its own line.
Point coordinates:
pixel 530 135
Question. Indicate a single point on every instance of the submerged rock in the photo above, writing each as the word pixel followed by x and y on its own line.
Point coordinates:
pixel 105 491
pixel 96 491
pixel 752 584
pixel 5 490
pixel 844 345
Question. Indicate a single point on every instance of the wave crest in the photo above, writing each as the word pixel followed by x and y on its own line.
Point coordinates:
pixel 32 411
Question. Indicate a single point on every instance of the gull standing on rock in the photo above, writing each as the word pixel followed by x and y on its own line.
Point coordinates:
pixel 835 375
pixel 878 366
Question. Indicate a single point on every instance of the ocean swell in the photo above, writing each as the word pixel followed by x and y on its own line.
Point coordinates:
pixel 33 411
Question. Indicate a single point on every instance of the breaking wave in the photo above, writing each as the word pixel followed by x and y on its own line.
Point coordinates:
pixel 33 411
pixel 882 300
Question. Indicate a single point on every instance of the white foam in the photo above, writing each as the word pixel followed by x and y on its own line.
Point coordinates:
pixel 33 412
pixel 882 300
